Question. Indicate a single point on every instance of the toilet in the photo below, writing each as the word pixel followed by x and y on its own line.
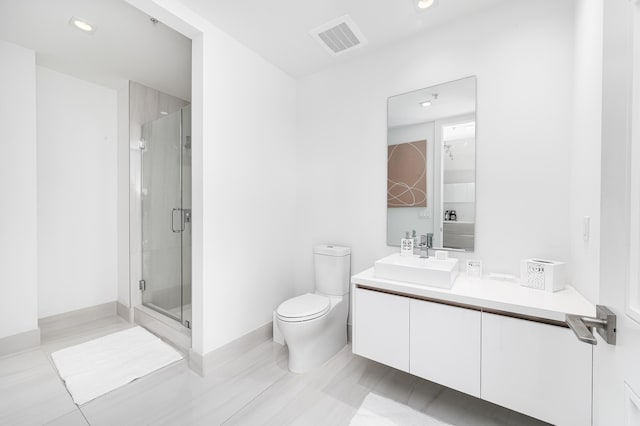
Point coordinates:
pixel 314 325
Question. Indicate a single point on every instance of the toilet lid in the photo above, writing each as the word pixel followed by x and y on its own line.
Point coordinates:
pixel 305 307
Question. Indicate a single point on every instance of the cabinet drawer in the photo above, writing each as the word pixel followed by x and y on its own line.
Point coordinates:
pixel 380 328
pixel 537 369
pixel 445 345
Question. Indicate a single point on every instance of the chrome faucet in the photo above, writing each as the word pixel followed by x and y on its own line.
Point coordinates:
pixel 426 242
pixel 424 249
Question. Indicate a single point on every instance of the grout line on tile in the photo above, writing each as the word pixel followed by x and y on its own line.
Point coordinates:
pixel 253 399
pixel 83 416
pixel 55 370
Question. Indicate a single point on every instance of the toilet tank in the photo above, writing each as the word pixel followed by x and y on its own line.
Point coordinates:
pixel 332 267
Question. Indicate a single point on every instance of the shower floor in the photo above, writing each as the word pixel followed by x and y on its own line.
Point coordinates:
pixel 173 313
pixel 186 312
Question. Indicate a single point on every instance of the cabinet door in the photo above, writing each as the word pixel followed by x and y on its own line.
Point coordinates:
pixel 381 328
pixel 537 369
pixel 445 345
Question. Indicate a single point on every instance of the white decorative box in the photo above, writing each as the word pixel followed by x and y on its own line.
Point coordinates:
pixel 542 274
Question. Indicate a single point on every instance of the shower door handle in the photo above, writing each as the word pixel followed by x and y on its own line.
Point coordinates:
pixel 173 211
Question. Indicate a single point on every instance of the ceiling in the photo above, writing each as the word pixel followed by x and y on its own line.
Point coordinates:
pixel 125 46
pixel 278 30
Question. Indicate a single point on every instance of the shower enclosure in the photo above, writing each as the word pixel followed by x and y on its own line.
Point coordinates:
pixel 166 215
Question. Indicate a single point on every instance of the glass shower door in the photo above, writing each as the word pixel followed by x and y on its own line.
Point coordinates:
pixel 186 209
pixel 164 217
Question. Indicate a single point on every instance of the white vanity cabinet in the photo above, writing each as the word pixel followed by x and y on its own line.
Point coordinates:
pixel 444 345
pixel 537 369
pixel 381 328
pixel 434 341
pixel 486 338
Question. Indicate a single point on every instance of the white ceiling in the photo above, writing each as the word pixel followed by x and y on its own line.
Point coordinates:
pixel 279 29
pixel 125 46
pixel 453 98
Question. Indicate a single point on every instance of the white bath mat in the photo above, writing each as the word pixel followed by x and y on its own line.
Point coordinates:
pixel 378 411
pixel 96 367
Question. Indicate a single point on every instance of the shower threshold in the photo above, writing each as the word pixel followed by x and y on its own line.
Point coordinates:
pixel 164 326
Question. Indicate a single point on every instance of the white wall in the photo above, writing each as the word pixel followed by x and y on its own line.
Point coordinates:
pixel 77 164
pixel 586 147
pixel 521 53
pixel 248 184
pixel 18 223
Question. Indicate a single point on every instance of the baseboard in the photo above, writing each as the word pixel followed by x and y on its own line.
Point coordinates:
pixel 20 342
pixel 196 362
pixel 54 324
pixel 203 364
pixel 124 312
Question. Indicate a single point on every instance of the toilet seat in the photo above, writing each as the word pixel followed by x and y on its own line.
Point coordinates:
pixel 303 308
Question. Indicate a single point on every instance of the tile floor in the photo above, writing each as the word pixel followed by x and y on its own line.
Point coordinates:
pixel 254 389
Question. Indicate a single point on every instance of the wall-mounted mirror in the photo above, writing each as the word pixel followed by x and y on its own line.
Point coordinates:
pixel 431 165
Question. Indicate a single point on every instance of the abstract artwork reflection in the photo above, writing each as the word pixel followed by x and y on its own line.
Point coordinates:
pixel 407 177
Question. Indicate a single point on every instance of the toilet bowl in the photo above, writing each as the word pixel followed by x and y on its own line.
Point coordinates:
pixel 313 337
pixel 314 325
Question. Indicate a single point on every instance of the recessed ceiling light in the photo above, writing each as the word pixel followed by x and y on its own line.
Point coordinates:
pixel 425 103
pixel 164 113
pixel 425 4
pixel 82 25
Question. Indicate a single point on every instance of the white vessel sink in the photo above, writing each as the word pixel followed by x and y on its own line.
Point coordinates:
pixel 412 269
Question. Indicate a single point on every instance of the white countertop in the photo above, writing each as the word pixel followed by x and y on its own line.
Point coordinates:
pixel 494 294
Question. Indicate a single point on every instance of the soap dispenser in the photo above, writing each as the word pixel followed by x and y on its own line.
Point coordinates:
pixel 415 238
pixel 406 245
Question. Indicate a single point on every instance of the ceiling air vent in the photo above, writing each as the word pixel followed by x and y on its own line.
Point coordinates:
pixel 339 36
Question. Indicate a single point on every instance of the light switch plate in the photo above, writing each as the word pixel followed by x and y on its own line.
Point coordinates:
pixel 586 228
